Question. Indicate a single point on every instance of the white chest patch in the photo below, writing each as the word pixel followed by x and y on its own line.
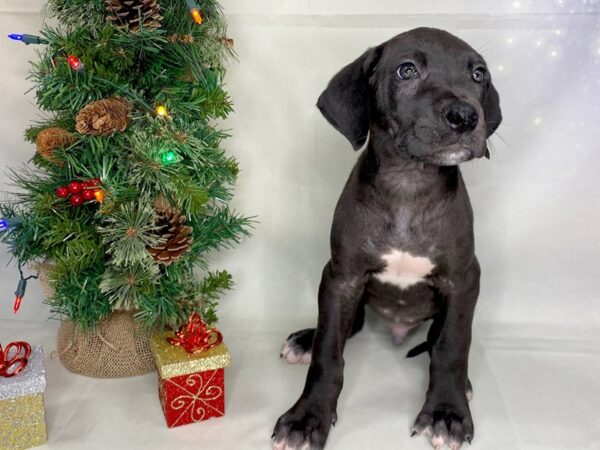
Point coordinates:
pixel 403 269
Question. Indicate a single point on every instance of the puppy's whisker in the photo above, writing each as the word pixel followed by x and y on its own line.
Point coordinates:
pixel 385 135
pixel 490 47
pixel 377 134
pixel 491 148
pixel 503 140
pixel 486 47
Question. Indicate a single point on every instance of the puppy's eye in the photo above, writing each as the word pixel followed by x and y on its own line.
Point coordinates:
pixel 408 71
pixel 479 74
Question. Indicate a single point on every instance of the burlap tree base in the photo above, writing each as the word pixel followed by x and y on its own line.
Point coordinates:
pixel 118 347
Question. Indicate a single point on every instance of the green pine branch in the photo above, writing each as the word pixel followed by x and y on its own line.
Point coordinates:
pixel 97 252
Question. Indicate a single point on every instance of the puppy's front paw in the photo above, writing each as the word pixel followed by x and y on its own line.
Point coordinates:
pixel 302 428
pixel 445 424
pixel 298 347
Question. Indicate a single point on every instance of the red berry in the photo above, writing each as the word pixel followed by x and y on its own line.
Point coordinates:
pixel 88 195
pixel 75 187
pixel 76 200
pixel 95 182
pixel 62 192
pixel 86 184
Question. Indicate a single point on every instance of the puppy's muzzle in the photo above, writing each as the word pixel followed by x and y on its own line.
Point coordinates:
pixel 462 117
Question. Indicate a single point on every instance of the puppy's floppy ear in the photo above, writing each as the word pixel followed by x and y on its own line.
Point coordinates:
pixel 491 110
pixel 345 102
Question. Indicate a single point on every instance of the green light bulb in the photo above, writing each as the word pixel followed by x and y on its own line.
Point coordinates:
pixel 169 157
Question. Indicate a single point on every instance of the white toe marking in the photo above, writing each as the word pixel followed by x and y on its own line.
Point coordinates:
pixel 283 445
pixel 438 442
pixel 292 356
pixel 454 445
pixel 404 269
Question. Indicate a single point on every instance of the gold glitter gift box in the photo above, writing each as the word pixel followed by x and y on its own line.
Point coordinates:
pixel 191 386
pixel 22 416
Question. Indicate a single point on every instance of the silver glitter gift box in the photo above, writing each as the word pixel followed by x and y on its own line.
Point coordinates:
pixel 22 416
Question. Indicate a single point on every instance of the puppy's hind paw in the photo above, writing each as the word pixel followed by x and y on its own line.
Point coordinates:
pixel 297 348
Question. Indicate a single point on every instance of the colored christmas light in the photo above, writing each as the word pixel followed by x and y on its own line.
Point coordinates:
pixel 74 62
pixel 196 15
pixel 169 157
pixel 161 111
pixel 21 287
pixel 7 224
pixel 195 11
pixel 99 195
pixel 19 294
pixel 27 39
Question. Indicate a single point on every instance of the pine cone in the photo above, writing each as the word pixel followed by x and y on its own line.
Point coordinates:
pixel 104 117
pixel 131 13
pixel 177 237
pixel 51 139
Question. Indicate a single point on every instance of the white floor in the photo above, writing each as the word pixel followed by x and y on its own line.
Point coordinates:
pixel 530 394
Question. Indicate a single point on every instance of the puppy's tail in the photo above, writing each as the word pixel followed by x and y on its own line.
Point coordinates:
pixel 432 336
pixel 421 348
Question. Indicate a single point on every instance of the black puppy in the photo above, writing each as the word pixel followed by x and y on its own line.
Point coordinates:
pixel 402 237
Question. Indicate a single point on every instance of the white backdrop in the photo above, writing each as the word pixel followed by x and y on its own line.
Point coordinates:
pixel 536 203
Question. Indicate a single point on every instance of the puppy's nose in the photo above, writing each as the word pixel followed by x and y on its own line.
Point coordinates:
pixel 462 117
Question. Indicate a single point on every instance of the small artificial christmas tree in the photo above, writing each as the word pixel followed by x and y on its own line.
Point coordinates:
pixel 130 186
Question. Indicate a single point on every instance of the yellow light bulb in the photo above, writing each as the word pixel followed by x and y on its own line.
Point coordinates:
pixel 99 195
pixel 197 16
pixel 161 111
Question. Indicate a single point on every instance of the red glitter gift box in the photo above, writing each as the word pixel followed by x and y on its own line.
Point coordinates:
pixel 191 384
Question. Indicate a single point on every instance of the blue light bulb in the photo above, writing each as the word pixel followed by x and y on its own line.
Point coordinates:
pixel 28 39
pixel 7 224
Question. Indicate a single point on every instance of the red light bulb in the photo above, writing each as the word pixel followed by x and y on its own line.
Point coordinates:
pixel 17 305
